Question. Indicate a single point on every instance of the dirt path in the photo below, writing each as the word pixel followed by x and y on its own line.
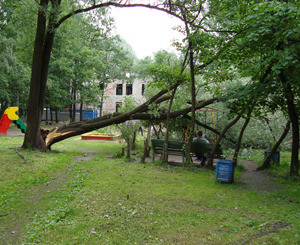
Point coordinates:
pixel 250 178
pixel 258 180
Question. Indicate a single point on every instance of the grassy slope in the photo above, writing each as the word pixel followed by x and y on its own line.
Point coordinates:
pixel 100 200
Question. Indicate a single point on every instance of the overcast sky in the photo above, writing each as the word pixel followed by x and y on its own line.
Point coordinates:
pixel 147 31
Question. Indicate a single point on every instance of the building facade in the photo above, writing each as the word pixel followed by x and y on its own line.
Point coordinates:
pixel 115 93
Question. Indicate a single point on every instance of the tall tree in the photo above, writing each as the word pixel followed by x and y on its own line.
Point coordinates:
pixel 49 18
pixel 266 48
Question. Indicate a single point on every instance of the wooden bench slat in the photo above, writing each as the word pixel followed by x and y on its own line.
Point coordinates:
pixel 178 148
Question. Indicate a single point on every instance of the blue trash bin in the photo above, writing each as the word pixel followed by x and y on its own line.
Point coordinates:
pixel 225 170
pixel 275 157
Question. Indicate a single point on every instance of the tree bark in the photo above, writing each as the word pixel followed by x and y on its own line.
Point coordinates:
pixel 267 162
pixel 165 155
pixel 128 148
pixel 51 114
pixel 146 145
pixel 101 101
pixel 74 105
pixel 239 142
pixel 46 115
pixel 133 141
pixel 80 111
pixel 294 118
pixel 56 116
pixel 78 128
pixel 213 151
pixel 39 71
pixel 193 95
pixel 294 169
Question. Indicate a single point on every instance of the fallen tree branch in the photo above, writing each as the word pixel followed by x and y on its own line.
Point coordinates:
pixel 210 129
pixel 78 128
pixel 25 162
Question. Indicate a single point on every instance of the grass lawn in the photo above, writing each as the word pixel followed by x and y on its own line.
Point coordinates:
pixel 79 194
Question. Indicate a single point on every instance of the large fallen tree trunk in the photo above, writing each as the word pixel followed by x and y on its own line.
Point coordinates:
pixel 78 128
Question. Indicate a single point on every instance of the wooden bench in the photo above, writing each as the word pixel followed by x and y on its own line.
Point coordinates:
pixel 174 148
pixel 204 149
pixel 178 148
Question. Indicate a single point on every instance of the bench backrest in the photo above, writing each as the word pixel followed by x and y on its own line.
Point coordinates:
pixel 179 146
pixel 175 146
pixel 204 148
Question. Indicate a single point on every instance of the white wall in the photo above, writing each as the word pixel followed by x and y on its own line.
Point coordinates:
pixel 110 97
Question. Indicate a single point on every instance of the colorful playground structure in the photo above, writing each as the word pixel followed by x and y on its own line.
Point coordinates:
pixel 9 116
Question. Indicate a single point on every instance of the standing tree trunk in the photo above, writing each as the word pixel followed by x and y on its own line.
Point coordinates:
pixel 74 105
pixel 128 148
pixel 211 156
pixel 51 114
pixel 133 141
pixel 266 164
pixel 294 118
pixel 71 98
pixel 101 101
pixel 39 72
pixel 70 112
pixel 294 168
pixel 193 95
pixel 56 116
pixel 239 142
pixel 46 114
pixel 165 155
pixel 146 145
pixel 80 111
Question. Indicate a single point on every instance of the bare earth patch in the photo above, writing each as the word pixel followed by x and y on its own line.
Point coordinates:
pixel 258 180
pixel 250 178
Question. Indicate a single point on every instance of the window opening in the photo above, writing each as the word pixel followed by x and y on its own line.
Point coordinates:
pixel 119 89
pixel 128 89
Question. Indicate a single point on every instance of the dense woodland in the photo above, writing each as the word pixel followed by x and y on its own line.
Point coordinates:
pixel 240 58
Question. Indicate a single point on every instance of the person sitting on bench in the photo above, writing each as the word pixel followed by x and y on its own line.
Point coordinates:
pixel 200 139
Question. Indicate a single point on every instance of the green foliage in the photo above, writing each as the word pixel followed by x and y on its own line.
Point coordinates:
pixel 162 71
pixel 267 31
pixel 85 55
pixel 164 76
pixel 82 53
pixel 128 105
pixel 118 154
pixel 130 127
